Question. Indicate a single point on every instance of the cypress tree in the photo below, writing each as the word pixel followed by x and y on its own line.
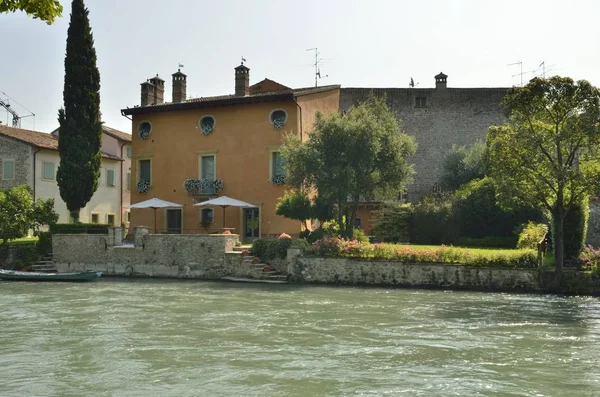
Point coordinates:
pixel 80 131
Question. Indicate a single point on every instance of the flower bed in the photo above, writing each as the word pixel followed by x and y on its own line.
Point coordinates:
pixel 335 247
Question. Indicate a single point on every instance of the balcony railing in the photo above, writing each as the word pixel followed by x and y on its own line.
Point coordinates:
pixel 203 187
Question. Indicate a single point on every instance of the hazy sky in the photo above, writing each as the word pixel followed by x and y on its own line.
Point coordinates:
pixel 363 43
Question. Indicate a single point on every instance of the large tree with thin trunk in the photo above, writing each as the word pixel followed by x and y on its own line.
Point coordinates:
pixel 46 10
pixel 80 131
pixel 547 154
pixel 350 158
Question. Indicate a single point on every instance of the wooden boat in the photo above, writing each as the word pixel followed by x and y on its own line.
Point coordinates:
pixel 15 275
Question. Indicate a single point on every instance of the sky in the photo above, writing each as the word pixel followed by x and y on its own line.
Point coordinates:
pixel 376 43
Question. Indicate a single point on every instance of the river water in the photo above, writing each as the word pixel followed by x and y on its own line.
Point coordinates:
pixel 162 338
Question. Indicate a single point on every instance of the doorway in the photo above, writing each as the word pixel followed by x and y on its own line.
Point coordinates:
pixel 251 224
pixel 174 221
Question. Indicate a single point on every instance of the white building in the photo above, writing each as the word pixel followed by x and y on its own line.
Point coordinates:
pixel 31 158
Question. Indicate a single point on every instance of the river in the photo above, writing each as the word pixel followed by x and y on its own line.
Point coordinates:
pixel 164 338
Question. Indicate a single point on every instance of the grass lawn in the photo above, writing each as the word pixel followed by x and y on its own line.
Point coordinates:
pixel 473 251
pixel 24 240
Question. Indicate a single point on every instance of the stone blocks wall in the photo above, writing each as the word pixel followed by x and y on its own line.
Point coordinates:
pixel 21 154
pixel 389 273
pixel 458 116
pixel 174 256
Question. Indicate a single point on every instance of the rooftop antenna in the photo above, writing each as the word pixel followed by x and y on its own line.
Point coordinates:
pixel 243 59
pixel 316 65
pixel 16 119
pixel 180 66
pixel 519 74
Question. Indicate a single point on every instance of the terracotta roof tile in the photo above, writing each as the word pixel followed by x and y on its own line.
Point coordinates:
pixel 120 135
pixel 39 139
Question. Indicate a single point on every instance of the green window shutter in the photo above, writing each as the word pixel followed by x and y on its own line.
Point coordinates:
pixel 110 177
pixel 144 171
pixel 48 171
pixel 129 181
pixel 8 169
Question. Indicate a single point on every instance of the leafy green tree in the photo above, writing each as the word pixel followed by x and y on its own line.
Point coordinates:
pixel 80 131
pixel 463 165
pixel 546 154
pixel 295 205
pixel 46 10
pixel 18 214
pixel 351 157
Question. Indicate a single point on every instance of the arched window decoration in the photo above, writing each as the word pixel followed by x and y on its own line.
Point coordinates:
pixel 144 129
pixel 207 125
pixel 278 118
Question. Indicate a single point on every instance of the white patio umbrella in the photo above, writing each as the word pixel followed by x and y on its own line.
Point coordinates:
pixel 154 203
pixel 224 202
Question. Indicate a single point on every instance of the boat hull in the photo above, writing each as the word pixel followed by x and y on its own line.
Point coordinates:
pixel 13 275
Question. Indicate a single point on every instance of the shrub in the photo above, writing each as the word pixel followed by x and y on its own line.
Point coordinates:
pixel 392 223
pixel 432 221
pixel 259 248
pixel 575 230
pixel 531 235
pixel 590 259
pixel 79 228
pixel 26 256
pixel 44 243
pixel 359 235
pixel 300 244
pixel 271 249
pixel 312 236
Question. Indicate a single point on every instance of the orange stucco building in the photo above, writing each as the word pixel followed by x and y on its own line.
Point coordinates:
pixel 231 139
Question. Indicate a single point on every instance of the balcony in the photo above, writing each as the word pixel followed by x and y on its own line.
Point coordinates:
pixel 203 187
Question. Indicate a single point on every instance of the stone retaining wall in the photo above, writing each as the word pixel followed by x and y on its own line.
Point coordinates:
pixel 389 273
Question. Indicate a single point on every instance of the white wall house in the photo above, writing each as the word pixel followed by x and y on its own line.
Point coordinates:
pixel 32 158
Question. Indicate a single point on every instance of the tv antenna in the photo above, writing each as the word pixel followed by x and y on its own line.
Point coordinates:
pixel 16 119
pixel 518 74
pixel 316 65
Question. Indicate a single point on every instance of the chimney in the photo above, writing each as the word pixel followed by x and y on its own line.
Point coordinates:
pixel 242 80
pixel 159 90
pixel 147 93
pixel 441 81
pixel 179 86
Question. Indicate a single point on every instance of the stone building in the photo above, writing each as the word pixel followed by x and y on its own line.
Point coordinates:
pixel 438 118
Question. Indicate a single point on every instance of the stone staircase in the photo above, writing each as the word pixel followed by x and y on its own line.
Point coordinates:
pixel 45 264
pixel 260 271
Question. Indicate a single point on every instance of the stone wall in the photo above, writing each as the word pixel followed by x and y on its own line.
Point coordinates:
pixel 20 152
pixel 153 255
pixel 389 273
pixel 458 116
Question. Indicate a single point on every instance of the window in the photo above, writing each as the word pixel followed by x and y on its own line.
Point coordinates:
pixel 208 172
pixel 110 178
pixel 420 102
pixel 48 171
pixel 129 181
pixel 95 218
pixel 207 125
pixel 110 219
pixel 278 118
pixel 8 170
pixel 144 129
pixel 207 215
pixel 277 164
pixel 144 171
pixel 128 216
pixel 128 152
pixel 357 223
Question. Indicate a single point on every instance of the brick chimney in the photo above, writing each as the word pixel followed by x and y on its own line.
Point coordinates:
pixel 242 80
pixel 159 90
pixel 147 93
pixel 441 81
pixel 179 86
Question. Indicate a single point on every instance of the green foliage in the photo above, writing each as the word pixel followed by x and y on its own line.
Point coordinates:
pixel 575 226
pixel 359 235
pixel 335 247
pixel 478 215
pixel 25 256
pixel 79 228
pixel 19 214
pixel 301 244
pixel 531 235
pixel 272 249
pixel 392 221
pixel 44 243
pixel 590 260
pixel 295 205
pixel 80 130
pixel 350 158
pixel 462 165
pixel 547 154
pixel 488 241
pixel 312 236
pixel 45 10
pixel 433 221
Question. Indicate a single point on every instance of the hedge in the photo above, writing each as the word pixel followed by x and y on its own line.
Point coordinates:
pixel 79 228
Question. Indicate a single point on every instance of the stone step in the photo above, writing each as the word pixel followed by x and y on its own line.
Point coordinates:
pixel 44 262
pixel 277 277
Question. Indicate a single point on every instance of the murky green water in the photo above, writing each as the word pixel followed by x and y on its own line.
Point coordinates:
pixel 122 338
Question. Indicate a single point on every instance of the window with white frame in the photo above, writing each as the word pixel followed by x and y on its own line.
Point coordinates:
pixel 110 178
pixel 207 215
pixel 8 170
pixel 48 170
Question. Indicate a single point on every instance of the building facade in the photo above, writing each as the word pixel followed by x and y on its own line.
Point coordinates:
pixel 32 158
pixel 190 150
